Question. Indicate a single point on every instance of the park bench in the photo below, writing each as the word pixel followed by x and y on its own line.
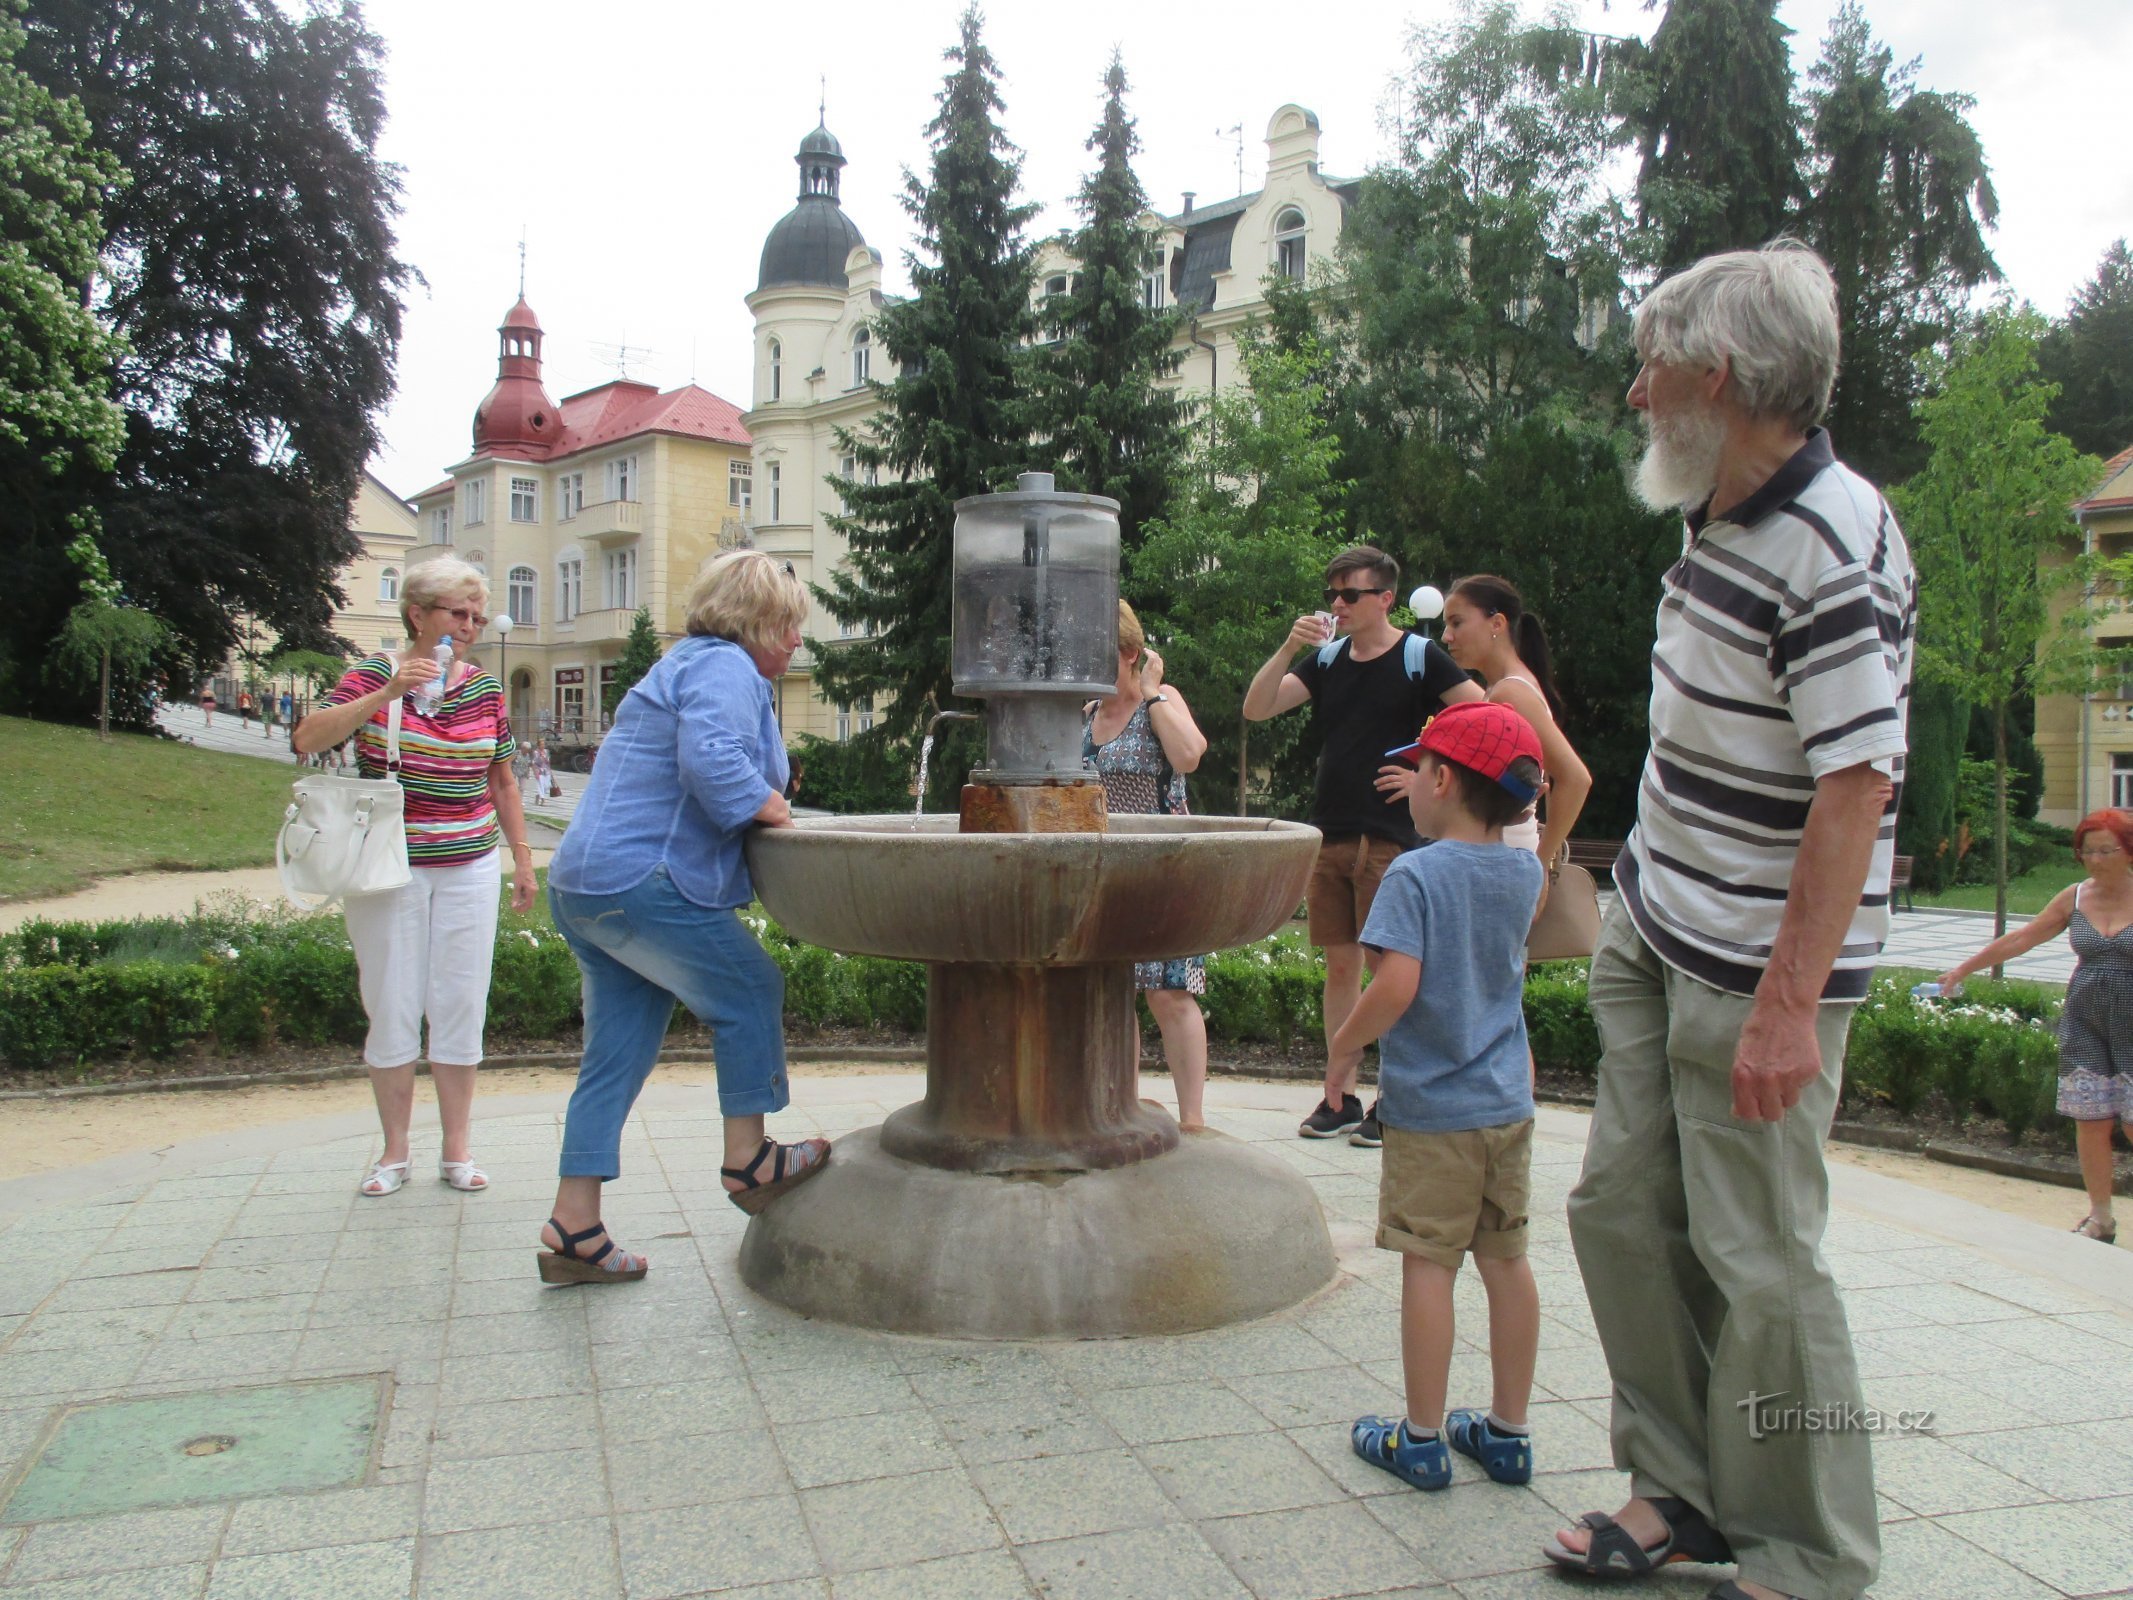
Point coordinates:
pixel 1596 856
pixel 1900 884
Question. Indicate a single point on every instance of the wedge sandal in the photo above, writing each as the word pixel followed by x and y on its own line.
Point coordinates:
pixel 790 1166
pixel 570 1264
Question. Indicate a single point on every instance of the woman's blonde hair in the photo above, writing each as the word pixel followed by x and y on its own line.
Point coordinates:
pixel 433 582
pixel 749 598
pixel 1131 635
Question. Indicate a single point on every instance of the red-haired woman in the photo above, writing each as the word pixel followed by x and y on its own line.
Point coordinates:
pixel 2096 1026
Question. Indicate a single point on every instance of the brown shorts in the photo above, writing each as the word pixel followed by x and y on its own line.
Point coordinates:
pixel 1343 884
pixel 1441 1195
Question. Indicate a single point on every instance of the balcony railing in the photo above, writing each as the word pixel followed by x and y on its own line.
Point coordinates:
pixel 609 520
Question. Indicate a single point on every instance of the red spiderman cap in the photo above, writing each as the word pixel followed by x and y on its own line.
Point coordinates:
pixel 1480 735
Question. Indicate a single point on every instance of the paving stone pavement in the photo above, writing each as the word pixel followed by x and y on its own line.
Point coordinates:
pixel 681 1436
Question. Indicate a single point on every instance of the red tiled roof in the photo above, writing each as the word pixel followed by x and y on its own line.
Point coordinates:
pixel 2111 469
pixel 621 409
pixel 435 488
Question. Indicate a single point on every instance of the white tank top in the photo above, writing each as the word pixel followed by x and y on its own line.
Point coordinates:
pixel 1526 833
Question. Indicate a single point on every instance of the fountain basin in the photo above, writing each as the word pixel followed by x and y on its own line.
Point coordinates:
pixel 1148 889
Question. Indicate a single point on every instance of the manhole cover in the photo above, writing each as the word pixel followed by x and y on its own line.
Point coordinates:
pixel 181 1449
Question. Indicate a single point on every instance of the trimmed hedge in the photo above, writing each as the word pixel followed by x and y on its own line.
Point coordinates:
pixel 75 992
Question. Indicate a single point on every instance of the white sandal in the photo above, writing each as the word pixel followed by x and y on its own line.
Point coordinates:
pixel 386 1175
pixel 463 1175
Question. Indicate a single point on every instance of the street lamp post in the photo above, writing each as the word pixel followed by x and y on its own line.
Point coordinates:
pixel 503 626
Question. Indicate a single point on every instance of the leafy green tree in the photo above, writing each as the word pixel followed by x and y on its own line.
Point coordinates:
pixel 1991 503
pixel 1101 414
pixel 1219 581
pixel 1932 774
pixel 2090 357
pixel 640 653
pixel 1899 200
pixel 1720 144
pixel 249 267
pixel 104 635
pixel 954 421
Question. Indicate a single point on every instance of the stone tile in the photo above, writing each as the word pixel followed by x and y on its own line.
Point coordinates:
pixel 1921 1560
pixel 686 1552
pixel 500 1491
pixel 216 1319
pixel 1470 1530
pixel 1932 1477
pixel 889 1444
pixel 511 1427
pixel 2069 1547
pixel 83 1545
pixel 1193 1411
pixel 271 1278
pixel 1237 1476
pixel 75 1330
pixel 1263 1347
pixel 1166 1563
pixel 1099 1366
pixel 387 1347
pixel 707 1469
pixel 415 1302
pixel 1330 1449
pixel 96 1371
pixel 380 1571
pixel 97 1294
pixel 308 1521
pixel 680 1410
pixel 157 1583
pixel 674 1359
pixel 251 1356
pixel 1324 1394
pixel 265 1249
pixel 1573 1373
pixel 816 1394
pixel 558 1325
pixel 561 1561
pixel 1314 1553
pixel 1063 1497
pixel 2052 1339
pixel 1009 1430
pixel 522 1375
pixel 2064 1466
pixel 887 1522
pixel 985 1575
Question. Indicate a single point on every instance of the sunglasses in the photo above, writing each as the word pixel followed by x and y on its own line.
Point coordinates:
pixel 1349 597
pixel 463 614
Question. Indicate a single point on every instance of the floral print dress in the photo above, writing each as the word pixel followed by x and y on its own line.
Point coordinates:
pixel 1139 781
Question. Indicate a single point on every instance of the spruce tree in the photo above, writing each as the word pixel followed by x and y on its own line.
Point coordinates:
pixel 954 420
pixel 1721 146
pixel 2090 357
pixel 1101 414
pixel 640 653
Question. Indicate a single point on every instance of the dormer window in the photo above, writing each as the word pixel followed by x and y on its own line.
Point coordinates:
pixel 862 356
pixel 1289 245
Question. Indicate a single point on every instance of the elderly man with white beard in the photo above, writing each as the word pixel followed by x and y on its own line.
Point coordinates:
pixel 1753 905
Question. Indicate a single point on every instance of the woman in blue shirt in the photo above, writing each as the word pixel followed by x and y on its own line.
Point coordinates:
pixel 646 888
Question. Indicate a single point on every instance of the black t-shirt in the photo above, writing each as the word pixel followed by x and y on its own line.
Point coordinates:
pixel 1360 710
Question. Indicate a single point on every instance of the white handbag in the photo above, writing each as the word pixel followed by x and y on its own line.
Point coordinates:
pixel 345 836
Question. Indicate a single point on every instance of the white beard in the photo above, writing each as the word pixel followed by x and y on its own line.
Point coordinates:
pixel 1679 469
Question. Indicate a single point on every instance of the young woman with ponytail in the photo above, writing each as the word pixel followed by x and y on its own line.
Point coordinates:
pixel 1487 629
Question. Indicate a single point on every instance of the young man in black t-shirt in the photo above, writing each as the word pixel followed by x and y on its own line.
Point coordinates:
pixel 1370 698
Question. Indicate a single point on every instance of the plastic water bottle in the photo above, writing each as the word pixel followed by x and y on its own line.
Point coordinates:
pixel 429 695
pixel 1925 991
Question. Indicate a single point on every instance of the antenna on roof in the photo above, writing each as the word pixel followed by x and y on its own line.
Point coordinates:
pixel 522 261
pixel 1238 133
pixel 619 356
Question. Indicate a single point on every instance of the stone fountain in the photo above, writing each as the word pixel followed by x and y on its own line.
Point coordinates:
pixel 1032 1193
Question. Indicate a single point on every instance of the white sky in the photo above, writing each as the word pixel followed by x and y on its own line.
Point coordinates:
pixel 646 147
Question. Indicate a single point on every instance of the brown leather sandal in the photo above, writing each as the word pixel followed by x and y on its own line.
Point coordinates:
pixel 790 1167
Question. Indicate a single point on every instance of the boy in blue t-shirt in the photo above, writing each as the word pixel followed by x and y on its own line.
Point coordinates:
pixel 1455 1087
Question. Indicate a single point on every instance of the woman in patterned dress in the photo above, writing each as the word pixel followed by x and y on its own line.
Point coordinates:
pixel 425 950
pixel 1142 740
pixel 2096 1023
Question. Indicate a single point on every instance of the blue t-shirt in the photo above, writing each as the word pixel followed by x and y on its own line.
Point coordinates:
pixel 1457 1058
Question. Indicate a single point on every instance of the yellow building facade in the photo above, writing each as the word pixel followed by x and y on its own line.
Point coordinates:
pixel 2087 741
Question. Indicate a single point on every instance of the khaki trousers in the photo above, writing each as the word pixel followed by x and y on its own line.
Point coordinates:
pixel 1699 1237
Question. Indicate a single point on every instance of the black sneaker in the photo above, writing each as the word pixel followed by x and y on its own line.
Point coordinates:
pixel 1327 1123
pixel 1367 1133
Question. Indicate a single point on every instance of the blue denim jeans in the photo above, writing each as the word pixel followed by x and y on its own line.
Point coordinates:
pixel 641 951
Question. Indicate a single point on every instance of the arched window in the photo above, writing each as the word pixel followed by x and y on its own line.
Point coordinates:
pixel 520 596
pixel 1289 244
pixel 862 356
pixel 389 584
pixel 479 562
pixel 777 369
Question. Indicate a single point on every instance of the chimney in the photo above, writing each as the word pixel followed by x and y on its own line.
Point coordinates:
pixel 1188 201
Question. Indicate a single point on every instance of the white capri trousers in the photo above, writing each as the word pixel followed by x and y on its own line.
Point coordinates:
pixel 427 949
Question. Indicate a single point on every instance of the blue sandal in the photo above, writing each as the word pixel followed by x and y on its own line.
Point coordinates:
pixel 1506 1457
pixel 1383 1442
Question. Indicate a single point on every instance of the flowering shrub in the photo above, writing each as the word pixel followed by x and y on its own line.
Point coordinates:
pixel 1993 1048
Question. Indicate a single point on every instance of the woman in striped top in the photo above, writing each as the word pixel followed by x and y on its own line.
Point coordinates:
pixel 425 950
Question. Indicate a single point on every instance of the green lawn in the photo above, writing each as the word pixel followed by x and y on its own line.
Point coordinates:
pixel 2026 895
pixel 73 810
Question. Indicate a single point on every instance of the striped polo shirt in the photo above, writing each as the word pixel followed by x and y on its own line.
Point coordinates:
pixel 1784 654
pixel 445 756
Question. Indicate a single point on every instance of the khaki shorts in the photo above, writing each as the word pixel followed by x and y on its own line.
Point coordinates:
pixel 1441 1195
pixel 1343 884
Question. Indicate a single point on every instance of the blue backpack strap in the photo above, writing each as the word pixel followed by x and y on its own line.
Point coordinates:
pixel 1414 654
pixel 1329 652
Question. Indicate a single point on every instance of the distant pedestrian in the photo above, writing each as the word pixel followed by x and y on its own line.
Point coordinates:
pixel 244 708
pixel 207 707
pixel 288 707
pixel 543 773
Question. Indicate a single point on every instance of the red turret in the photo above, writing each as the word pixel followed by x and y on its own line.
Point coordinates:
pixel 517 419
